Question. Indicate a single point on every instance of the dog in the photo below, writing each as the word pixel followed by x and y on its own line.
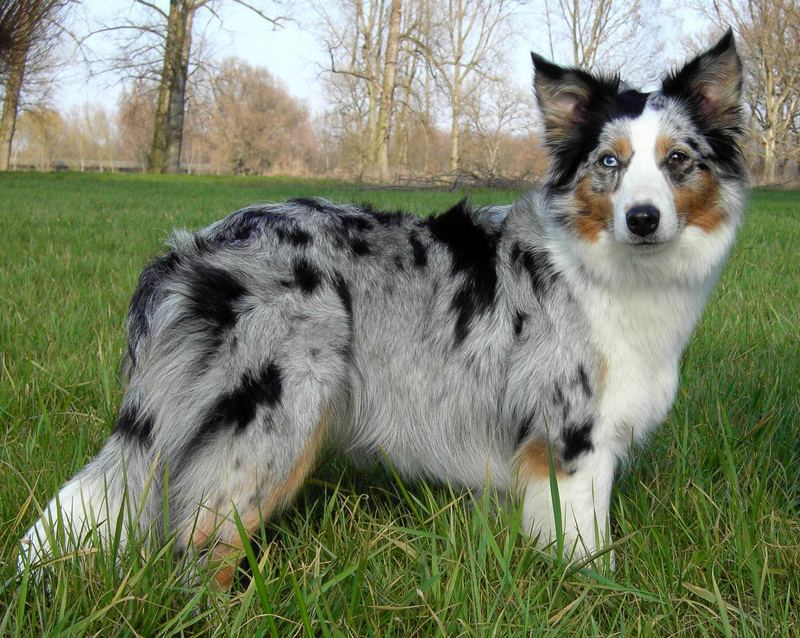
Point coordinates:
pixel 524 347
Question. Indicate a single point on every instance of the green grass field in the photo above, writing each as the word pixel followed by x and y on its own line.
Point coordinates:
pixel 707 515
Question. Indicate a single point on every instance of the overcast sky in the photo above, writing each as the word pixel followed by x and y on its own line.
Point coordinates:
pixel 294 54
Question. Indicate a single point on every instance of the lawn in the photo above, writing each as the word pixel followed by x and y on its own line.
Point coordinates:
pixel 707 515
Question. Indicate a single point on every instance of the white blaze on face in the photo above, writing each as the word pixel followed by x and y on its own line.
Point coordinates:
pixel 643 182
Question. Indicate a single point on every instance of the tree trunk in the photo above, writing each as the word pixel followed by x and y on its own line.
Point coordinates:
pixel 455 160
pixel 165 153
pixel 426 151
pixel 769 173
pixel 387 91
pixel 8 121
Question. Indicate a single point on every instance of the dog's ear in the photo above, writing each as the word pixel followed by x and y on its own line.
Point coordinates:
pixel 711 84
pixel 564 96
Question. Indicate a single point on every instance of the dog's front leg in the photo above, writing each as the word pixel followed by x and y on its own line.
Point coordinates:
pixel 582 492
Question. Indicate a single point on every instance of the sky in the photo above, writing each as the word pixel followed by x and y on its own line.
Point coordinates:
pixel 294 55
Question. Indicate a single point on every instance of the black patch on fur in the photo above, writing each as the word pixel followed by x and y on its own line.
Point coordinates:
pixel 577 439
pixel 398 262
pixel 559 400
pixel 293 235
pixel 237 408
pixel 525 429
pixel 692 144
pixel 474 254
pixel 519 322
pixel 538 266
pixel 386 218
pixel 418 250
pixel 244 224
pixel 211 299
pixel 343 291
pixel 359 246
pixel 631 103
pixel 356 223
pixel 350 234
pixel 148 296
pixel 558 394
pixel 306 276
pixel 212 295
pixel 134 425
pixel 583 378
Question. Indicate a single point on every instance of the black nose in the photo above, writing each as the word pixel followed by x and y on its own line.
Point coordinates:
pixel 642 220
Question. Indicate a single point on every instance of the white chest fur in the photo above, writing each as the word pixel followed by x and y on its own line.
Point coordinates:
pixel 640 334
pixel 641 313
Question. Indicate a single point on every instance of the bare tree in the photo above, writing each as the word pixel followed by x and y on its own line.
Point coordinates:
pixel 768 34
pixel 171 35
pixel 136 109
pixel 255 126
pixel 367 42
pixel 388 84
pixel 87 133
pixel 28 30
pixel 495 114
pixel 466 47
pixel 165 153
pixel 39 132
pixel 602 34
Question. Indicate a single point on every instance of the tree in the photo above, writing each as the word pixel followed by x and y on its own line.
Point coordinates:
pixel 255 126
pixel 768 38
pixel 465 49
pixel 388 84
pixel 28 30
pixel 87 133
pixel 168 33
pixel 38 136
pixel 602 34
pixel 136 109
pixel 165 153
pixel 367 47
pixel 491 118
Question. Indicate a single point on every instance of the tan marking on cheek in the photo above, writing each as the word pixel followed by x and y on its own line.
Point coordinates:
pixel 698 203
pixel 228 550
pixel 533 463
pixel 621 147
pixel 595 212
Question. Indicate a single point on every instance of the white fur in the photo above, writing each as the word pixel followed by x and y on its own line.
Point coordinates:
pixel 644 182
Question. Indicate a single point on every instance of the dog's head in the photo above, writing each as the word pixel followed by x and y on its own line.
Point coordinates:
pixel 633 174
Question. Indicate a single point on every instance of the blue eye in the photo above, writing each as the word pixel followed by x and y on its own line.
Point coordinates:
pixel 609 161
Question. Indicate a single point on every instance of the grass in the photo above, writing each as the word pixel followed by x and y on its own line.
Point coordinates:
pixel 706 515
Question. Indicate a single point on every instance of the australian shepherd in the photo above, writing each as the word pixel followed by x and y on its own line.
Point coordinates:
pixel 524 346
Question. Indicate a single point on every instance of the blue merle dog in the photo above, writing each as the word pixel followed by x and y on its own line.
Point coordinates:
pixel 512 345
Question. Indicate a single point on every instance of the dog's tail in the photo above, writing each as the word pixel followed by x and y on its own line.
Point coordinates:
pixel 105 502
pixel 118 491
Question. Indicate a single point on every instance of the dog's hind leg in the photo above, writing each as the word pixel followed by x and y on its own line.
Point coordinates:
pixel 251 475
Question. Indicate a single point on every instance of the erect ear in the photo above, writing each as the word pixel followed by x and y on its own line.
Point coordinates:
pixel 564 96
pixel 711 84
